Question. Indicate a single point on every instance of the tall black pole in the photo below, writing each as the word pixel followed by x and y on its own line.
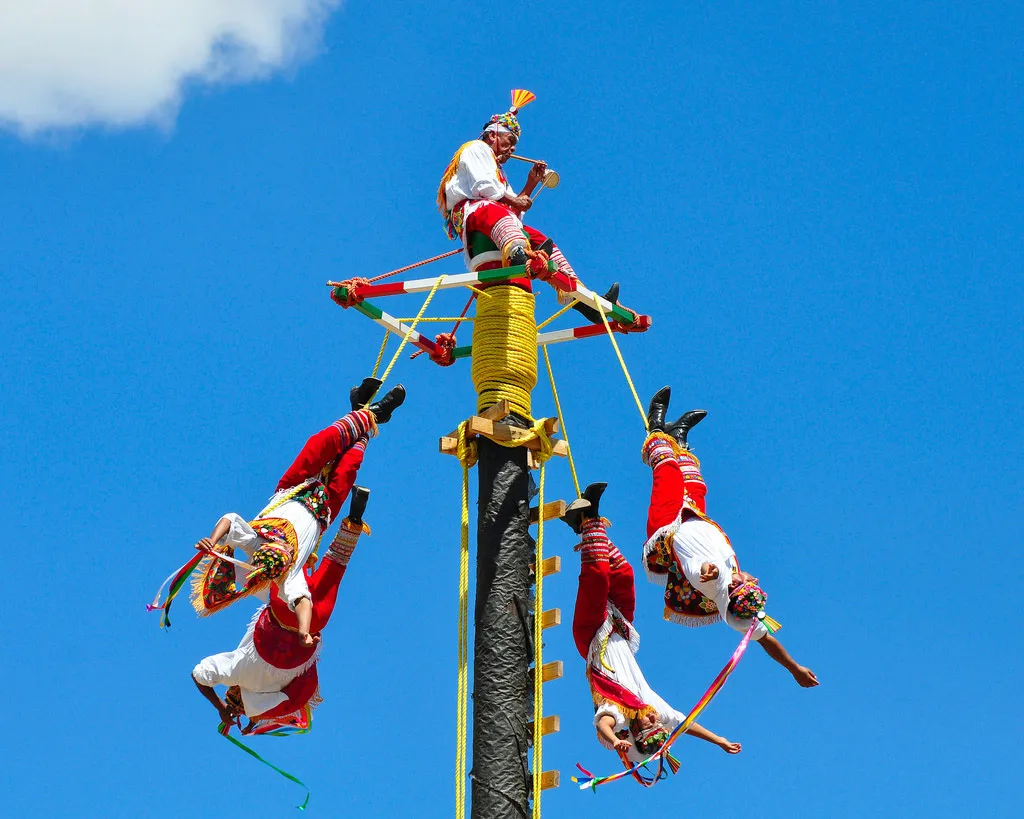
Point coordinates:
pixel 502 694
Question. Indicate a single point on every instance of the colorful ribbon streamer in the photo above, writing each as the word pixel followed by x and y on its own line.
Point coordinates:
pixel 590 781
pixel 176 580
pixel 223 730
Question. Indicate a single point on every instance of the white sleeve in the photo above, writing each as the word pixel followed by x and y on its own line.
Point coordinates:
pixel 607 709
pixel 742 625
pixel 241 534
pixel 295 587
pixel 479 170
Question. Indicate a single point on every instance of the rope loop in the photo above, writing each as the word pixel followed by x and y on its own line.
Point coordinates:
pixel 351 288
pixel 445 347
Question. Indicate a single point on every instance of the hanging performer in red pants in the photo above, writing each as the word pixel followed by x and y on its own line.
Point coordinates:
pixel 689 554
pixel 281 538
pixel 629 715
pixel 480 207
pixel 271 676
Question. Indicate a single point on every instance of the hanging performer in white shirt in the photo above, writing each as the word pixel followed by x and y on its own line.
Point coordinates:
pixel 272 675
pixel 282 537
pixel 689 554
pixel 480 207
pixel 629 715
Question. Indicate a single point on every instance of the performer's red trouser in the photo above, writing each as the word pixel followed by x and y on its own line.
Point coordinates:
pixel 668 489
pixel 600 584
pixel 343 440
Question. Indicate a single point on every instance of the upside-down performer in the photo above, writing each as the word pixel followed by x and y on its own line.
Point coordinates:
pixel 689 554
pixel 282 537
pixel 630 717
pixel 481 207
pixel 271 676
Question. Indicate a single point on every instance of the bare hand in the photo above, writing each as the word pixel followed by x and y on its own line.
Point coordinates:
pixel 205 545
pixel 708 571
pixel 310 639
pixel 537 173
pixel 623 745
pixel 730 747
pixel 227 714
pixel 805 677
pixel 521 203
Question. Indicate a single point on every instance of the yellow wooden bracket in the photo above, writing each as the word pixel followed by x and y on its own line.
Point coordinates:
pixel 488 425
pixel 551 565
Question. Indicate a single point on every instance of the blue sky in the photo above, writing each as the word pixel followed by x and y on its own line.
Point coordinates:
pixel 820 205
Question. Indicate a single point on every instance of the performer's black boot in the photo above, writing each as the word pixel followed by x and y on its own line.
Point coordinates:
pixel 389 403
pixel 518 257
pixel 357 504
pixel 591 314
pixel 361 395
pixel 585 506
pixel 657 408
pixel 687 421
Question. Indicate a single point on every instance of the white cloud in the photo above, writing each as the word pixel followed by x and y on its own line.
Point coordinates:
pixel 118 63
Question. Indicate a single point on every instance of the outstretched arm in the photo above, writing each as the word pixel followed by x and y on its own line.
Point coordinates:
pixel 801 673
pixel 605 728
pixel 227 716
pixel 221 529
pixel 699 731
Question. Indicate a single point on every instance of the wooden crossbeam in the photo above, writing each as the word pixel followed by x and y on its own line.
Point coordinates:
pixel 551 565
pixel 549 671
pixel 555 509
pixel 640 325
pixel 548 780
pixel 426 285
pixel 548 725
pixel 551 617
pixel 489 428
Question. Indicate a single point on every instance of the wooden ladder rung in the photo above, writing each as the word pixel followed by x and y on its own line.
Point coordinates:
pixel 552 617
pixel 549 671
pixel 554 509
pixel 548 725
pixel 548 780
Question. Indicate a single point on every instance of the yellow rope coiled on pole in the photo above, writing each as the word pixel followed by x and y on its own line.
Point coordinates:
pixel 505 349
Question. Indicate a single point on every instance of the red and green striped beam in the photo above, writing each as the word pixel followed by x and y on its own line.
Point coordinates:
pixel 620 319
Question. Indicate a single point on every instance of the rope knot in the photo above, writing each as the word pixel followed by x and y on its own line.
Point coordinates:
pixel 538 265
pixel 445 347
pixel 346 293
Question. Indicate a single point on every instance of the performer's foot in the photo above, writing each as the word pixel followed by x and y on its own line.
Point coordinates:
pixel 585 506
pixel 389 403
pixel 686 422
pixel 657 408
pixel 591 314
pixel 548 247
pixel 357 504
pixel 362 394
pixel 517 256
pixel 593 494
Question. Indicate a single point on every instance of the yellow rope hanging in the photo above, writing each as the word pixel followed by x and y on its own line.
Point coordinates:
pixel 505 349
pixel 622 363
pixel 550 319
pixel 411 329
pixel 538 640
pixel 380 355
pixel 561 421
pixel 466 453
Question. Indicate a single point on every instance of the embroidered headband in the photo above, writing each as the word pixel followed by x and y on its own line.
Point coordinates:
pixel 507 123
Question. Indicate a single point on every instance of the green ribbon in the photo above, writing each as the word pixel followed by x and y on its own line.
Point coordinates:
pixel 251 752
